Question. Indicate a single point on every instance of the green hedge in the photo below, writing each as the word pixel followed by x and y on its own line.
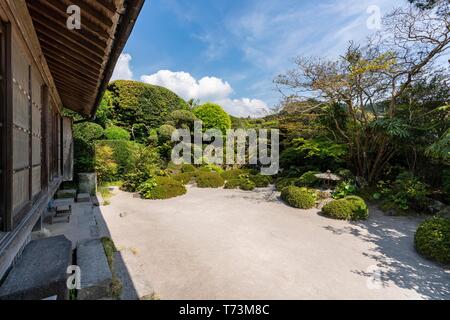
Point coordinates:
pixel 209 180
pixel 301 198
pixel 348 208
pixel 432 239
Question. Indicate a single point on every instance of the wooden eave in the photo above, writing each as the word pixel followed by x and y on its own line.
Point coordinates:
pixel 81 62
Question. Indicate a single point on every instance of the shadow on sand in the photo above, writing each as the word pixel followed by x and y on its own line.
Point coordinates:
pixel 395 256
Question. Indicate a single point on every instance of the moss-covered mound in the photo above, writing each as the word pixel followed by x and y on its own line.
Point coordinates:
pixel 209 180
pixel 301 198
pixel 162 188
pixel 432 239
pixel 348 208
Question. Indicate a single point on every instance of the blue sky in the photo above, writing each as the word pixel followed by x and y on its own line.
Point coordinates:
pixel 229 51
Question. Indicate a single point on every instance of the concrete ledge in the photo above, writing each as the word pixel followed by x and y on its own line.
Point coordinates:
pixel 40 272
pixel 83 197
pixel 96 276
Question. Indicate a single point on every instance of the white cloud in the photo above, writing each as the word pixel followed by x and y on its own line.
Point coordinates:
pixel 245 107
pixel 207 89
pixel 123 70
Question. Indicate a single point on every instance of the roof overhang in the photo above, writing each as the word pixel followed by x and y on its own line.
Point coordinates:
pixel 82 61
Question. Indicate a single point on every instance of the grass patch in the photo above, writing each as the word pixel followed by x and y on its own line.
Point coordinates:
pixel 110 251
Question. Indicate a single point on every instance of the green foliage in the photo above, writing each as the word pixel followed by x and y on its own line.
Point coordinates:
pixel 348 208
pixel 343 189
pixel 233 174
pixel 323 153
pixel 213 117
pixel 301 198
pixel 209 180
pixel 246 184
pixel 85 135
pixel 117 133
pixel 140 107
pixel 105 166
pixel 124 155
pixel 104 115
pixel 214 168
pixel 88 131
pixel 184 177
pixel 308 179
pixel 283 182
pixel 233 183
pixel 182 119
pixel 432 239
pixel 441 148
pixel 146 165
pixel 165 132
pixel 161 188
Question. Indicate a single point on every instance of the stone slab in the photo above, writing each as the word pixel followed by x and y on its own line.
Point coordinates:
pixel 40 272
pixel 96 276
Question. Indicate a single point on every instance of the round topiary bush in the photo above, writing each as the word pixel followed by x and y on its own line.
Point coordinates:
pixel 209 180
pixel 161 188
pixel 432 239
pixel 165 132
pixel 233 174
pixel 213 117
pixel 187 168
pixel 348 208
pixel 117 133
pixel 296 197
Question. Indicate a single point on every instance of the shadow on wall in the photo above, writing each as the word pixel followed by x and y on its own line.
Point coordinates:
pixel 397 260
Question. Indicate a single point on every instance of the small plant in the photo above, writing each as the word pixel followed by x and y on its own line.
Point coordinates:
pixel 184 177
pixel 348 208
pixel 232 184
pixel 432 239
pixel 284 182
pixel 245 183
pixel 301 198
pixel 344 189
pixel 209 180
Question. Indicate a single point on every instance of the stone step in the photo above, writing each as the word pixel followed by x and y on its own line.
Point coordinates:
pixel 40 272
pixel 83 197
pixel 96 276
pixel 64 194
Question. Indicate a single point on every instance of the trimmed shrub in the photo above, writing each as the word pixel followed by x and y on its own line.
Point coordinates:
pixel 246 184
pixel 184 177
pixel 348 208
pixel 88 131
pixel 187 168
pixel 233 174
pixel 124 154
pixel 301 198
pixel 161 188
pixel 308 179
pixel 165 132
pixel 432 239
pixel 117 133
pixel 209 180
pixel 213 117
pixel 232 184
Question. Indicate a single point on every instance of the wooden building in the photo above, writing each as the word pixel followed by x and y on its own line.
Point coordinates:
pixel 46 66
